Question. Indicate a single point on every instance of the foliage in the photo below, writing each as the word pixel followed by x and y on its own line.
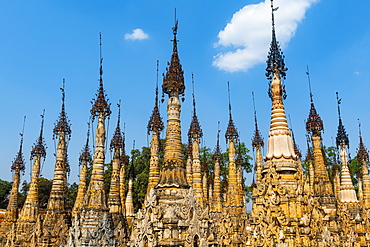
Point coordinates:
pixel 44 191
pixel 331 157
pixel 140 160
pixel 71 195
pixel 5 188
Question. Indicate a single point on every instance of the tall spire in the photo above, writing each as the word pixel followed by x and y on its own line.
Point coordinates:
pixel 231 135
pixel 363 158
pixel 114 200
pixel 347 190
pixel 129 199
pixel 280 143
pixel 95 195
pixel 195 133
pixel 56 210
pixel 257 144
pixel 100 105
pixel 155 125
pixel 18 165
pixel 122 174
pixel 28 216
pixel 318 173
pixel 84 160
pixel 275 59
pixel 19 162
pixel 173 172
pixel 217 180
pixel 94 210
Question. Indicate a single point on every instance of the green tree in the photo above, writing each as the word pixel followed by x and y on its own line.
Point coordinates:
pixel 44 192
pixel 5 188
pixel 71 195
pixel 141 160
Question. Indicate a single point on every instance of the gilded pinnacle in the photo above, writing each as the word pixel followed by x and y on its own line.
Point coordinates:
pixel 275 59
pixel 100 104
pixel 257 140
pixel 195 129
pixel 314 124
pixel 155 122
pixel 362 152
pixel 173 82
pixel 217 152
pixel 39 147
pixel 86 154
pixel 117 140
pixel 19 162
pixel 62 124
pixel 342 136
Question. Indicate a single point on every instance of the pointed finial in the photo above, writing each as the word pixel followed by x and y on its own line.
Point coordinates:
pixel 62 124
pixel 342 136
pixel 123 156
pixel 124 137
pixel 19 160
pixel 275 58
pixel 359 127
pixel 100 104
pixel 228 94
pixel 131 172
pixel 362 152
pixel 192 83
pixel 309 84
pixel 314 124
pixel 156 84
pixel 231 132
pixel 39 146
pixel 295 146
pixel 85 154
pixel 339 101
pixel 217 153
pixel 101 59
pixel 309 156
pixel 117 140
pixel 176 25
pixel 195 129
pixel 155 121
pixel 173 81
pixel 257 140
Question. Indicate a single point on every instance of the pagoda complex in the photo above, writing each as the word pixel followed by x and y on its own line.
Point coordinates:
pixel 190 200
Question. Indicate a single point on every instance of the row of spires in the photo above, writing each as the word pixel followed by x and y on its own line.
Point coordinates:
pixel 173 174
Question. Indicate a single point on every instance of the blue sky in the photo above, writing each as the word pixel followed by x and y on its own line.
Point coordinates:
pixel 43 42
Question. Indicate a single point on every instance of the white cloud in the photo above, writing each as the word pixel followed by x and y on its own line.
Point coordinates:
pixel 137 34
pixel 248 35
